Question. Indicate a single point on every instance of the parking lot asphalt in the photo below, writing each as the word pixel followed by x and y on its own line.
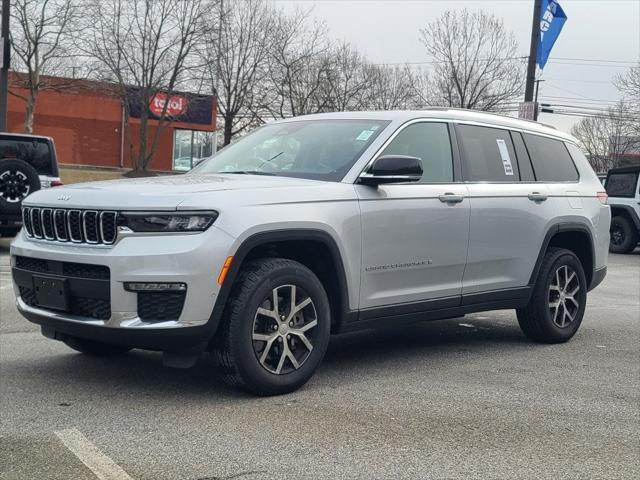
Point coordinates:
pixel 462 398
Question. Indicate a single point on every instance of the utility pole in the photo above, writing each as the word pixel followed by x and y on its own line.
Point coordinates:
pixel 533 51
pixel 4 68
pixel 535 111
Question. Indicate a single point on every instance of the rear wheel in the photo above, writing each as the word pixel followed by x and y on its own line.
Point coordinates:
pixel 95 349
pixel 623 235
pixel 557 305
pixel 276 328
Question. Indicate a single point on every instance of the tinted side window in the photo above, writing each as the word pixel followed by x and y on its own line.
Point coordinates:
pixel 431 143
pixel 524 162
pixel 488 154
pixel 35 152
pixel 551 159
pixel 622 185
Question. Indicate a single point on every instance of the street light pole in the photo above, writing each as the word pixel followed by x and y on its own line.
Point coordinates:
pixel 533 51
pixel 4 68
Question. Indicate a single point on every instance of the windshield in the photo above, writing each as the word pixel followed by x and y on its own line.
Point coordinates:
pixel 314 149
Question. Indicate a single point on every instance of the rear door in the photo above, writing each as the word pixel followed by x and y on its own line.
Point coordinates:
pixel 509 210
pixel 415 235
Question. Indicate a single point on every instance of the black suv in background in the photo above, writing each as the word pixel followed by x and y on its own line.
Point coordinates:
pixel 27 163
pixel 623 188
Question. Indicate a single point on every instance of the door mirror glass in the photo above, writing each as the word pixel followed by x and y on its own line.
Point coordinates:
pixel 393 169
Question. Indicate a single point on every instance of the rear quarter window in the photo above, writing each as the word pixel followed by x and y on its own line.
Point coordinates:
pixel 622 184
pixel 551 160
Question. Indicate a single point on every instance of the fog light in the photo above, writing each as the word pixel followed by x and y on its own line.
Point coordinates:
pixel 154 287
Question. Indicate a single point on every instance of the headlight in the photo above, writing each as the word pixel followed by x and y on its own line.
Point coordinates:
pixel 167 222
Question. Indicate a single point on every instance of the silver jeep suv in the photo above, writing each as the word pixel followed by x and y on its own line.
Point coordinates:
pixel 317 225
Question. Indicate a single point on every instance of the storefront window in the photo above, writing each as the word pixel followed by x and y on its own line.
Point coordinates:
pixel 190 147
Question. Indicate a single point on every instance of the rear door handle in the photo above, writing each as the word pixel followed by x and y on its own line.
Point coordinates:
pixel 451 198
pixel 537 197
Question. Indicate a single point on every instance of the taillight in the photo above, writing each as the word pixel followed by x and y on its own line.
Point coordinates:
pixel 603 197
pixel 56 183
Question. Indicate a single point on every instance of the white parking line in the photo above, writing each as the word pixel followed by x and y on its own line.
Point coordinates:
pixel 102 466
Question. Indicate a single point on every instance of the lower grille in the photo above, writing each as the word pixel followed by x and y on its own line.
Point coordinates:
pixel 78 306
pixel 160 306
pixel 68 269
pixel 88 285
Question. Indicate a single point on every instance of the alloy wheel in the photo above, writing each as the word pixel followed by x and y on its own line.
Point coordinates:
pixel 564 299
pixel 617 235
pixel 283 329
pixel 14 186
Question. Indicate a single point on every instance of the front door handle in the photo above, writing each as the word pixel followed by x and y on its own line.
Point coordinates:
pixel 451 198
pixel 537 197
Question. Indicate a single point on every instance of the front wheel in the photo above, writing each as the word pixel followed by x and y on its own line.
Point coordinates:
pixel 275 330
pixel 559 297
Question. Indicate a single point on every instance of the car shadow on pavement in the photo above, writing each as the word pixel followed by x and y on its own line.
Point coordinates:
pixel 350 356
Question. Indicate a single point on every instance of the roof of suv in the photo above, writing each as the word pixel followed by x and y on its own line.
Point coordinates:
pixel 630 169
pixel 445 114
pixel 24 135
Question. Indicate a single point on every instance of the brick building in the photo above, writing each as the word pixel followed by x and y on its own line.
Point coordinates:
pixel 86 121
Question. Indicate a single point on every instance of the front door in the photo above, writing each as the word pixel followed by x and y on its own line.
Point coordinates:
pixel 415 235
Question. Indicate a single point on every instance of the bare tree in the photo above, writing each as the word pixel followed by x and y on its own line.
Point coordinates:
pixel 391 88
pixel 475 64
pixel 145 47
pixel 40 39
pixel 235 61
pixel 347 79
pixel 629 85
pixel 298 66
pixel 607 138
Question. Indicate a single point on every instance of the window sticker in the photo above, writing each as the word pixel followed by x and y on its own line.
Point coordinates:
pixel 364 135
pixel 504 153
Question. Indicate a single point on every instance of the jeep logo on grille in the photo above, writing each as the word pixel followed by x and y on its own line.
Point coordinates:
pixel 64 197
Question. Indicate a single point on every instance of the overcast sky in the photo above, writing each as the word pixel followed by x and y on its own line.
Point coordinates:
pixel 599 39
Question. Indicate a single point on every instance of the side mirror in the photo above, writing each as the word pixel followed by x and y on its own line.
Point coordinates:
pixel 393 169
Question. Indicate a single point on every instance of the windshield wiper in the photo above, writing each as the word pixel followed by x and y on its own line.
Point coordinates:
pixel 250 172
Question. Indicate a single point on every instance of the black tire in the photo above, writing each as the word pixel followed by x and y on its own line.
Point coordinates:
pixel 250 364
pixel 17 180
pixel 95 349
pixel 9 232
pixel 624 236
pixel 537 318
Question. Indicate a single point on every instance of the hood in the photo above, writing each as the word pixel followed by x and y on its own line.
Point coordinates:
pixel 154 193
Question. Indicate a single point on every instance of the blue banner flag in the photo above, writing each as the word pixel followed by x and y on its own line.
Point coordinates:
pixel 552 19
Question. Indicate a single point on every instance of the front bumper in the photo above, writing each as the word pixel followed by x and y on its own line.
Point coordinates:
pixel 194 259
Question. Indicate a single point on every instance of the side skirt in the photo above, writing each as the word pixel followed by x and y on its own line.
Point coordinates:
pixel 437 309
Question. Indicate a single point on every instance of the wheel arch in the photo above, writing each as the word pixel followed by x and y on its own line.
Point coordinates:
pixel 316 249
pixel 572 236
pixel 627 211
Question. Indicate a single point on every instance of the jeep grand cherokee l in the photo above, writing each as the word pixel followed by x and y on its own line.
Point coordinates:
pixel 317 225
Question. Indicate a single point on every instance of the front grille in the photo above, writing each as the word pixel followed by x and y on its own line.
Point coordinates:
pixel 160 306
pixel 71 225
